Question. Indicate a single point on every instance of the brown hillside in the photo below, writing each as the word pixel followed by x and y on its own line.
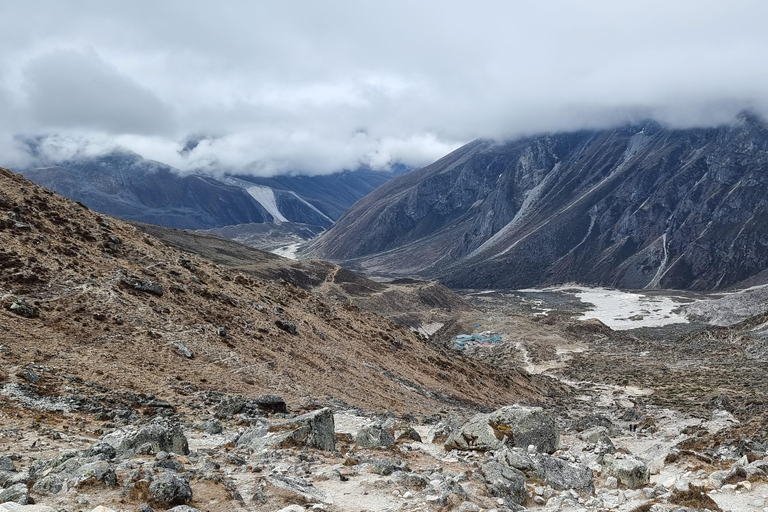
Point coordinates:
pixel 87 298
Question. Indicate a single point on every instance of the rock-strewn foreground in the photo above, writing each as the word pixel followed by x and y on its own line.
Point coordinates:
pixel 137 376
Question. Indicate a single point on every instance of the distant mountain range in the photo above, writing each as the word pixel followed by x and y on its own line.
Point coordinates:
pixel 634 207
pixel 128 186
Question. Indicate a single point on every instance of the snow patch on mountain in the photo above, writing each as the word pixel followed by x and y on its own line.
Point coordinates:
pixel 266 198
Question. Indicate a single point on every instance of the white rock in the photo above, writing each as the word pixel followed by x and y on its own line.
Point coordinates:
pixel 611 482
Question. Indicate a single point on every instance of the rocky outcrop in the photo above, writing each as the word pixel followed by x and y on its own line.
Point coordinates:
pixel 633 207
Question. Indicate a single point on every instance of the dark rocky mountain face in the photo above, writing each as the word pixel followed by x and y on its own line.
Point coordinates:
pixel 635 207
pixel 126 185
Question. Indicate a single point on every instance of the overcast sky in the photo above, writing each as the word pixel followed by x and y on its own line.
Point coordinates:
pixel 319 86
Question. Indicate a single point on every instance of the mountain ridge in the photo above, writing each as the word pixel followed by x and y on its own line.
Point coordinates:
pixel 628 207
pixel 124 184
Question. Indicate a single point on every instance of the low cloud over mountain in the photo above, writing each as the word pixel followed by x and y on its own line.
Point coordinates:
pixel 315 88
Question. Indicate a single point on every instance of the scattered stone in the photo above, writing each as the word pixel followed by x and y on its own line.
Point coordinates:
pixel 21 308
pixel 182 350
pixel 144 285
pixel 292 508
pixel 286 326
pixel 94 473
pixel 299 487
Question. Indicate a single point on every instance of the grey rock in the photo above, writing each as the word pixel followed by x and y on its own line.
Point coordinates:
pixel 170 489
pixel 95 472
pixel 18 493
pixel 298 486
pixel 182 350
pixel 20 307
pixel 272 404
pixel 386 467
pixel 253 437
pixel 313 430
pixel 413 481
pixel 286 326
pixel 509 426
pixel 9 478
pixel 162 435
pixel 374 436
pixel 441 431
pixel 516 458
pixel 212 427
pixel 30 375
pixel 504 482
pixel 407 434
pixel 6 464
pixel 50 484
pixel 628 470
pixel 184 508
pixel 145 508
pixel 144 285
pixel 229 406
pixel 561 474
pixel 101 449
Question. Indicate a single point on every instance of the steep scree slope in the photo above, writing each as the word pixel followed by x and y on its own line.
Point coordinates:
pixel 90 298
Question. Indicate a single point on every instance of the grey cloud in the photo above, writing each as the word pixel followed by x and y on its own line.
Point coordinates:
pixel 313 87
pixel 69 89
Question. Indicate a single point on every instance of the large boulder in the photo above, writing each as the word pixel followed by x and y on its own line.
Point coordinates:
pixel 162 435
pixel 314 430
pixel 561 474
pixel 505 482
pixel 628 470
pixel 509 426
pixel 374 436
